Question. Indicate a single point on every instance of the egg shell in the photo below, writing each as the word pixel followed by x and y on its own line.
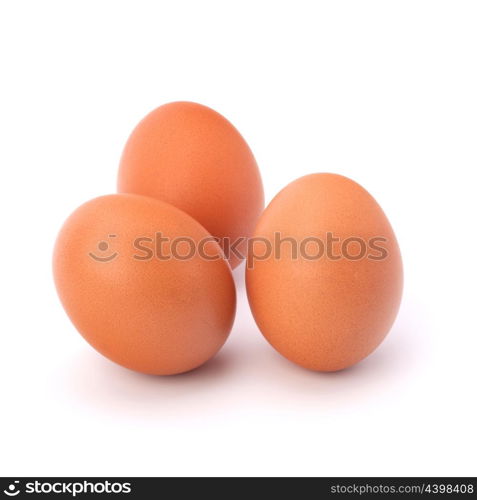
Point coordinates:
pixel 324 313
pixel 132 304
pixel 192 157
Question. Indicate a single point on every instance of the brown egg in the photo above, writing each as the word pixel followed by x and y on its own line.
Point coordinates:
pixel 324 274
pixel 192 157
pixel 127 276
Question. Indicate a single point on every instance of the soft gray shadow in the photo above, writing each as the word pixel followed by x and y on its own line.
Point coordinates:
pixel 100 384
pixel 239 277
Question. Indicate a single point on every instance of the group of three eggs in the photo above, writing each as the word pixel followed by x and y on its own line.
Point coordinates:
pixel 145 274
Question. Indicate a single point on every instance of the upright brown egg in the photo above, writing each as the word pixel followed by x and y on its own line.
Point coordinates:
pixel 193 158
pixel 144 283
pixel 324 274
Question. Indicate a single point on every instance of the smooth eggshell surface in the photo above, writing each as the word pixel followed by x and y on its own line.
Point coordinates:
pixel 136 307
pixel 322 312
pixel 192 157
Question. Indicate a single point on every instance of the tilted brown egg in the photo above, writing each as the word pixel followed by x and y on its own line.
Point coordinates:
pixel 144 283
pixel 192 157
pixel 327 305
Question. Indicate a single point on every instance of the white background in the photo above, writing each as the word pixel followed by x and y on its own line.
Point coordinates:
pixel 384 92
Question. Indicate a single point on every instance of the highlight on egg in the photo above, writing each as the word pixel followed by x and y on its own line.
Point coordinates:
pixel 324 274
pixel 144 283
pixel 192 157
